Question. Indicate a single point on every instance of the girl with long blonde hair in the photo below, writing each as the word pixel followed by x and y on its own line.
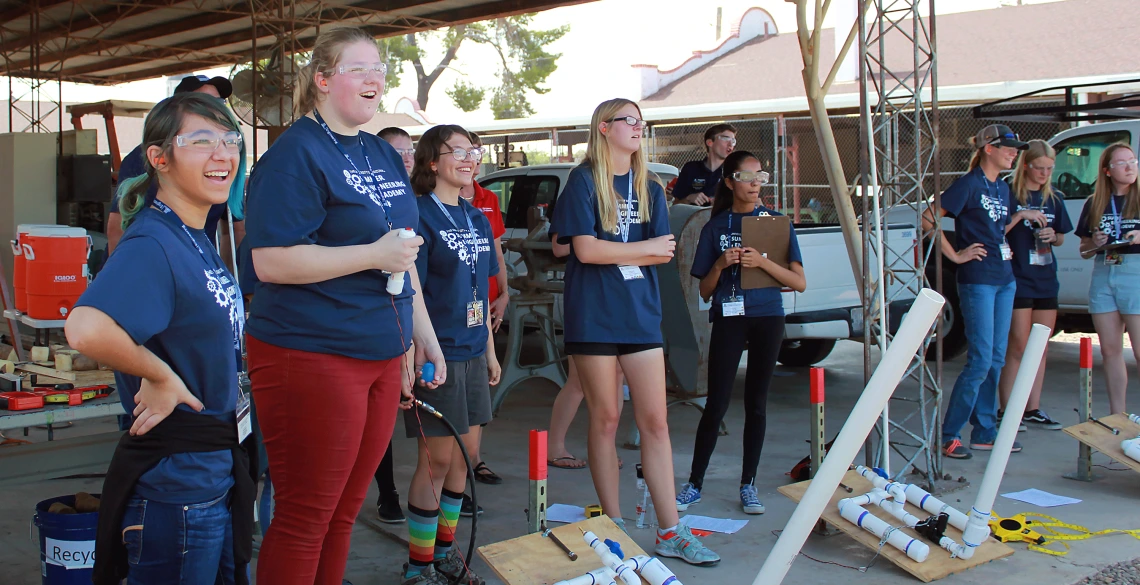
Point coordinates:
pixel 1034 268
pixel 618 225
pixel 1109 228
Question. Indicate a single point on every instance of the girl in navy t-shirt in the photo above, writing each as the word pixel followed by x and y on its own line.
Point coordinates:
pixel 166 313
pixel 328 344
pixel 1112 215
pixel 618 223
pixel 980 204
pixel 454 267
pixel 1034 268
pixel 753 317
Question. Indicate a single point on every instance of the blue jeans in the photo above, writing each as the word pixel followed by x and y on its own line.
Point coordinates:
pixel 171 544
pixel 986 311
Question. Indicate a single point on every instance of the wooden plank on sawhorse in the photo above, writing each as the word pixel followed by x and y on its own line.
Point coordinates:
pixel 1103 440
pixel 937 566
pixel 536 560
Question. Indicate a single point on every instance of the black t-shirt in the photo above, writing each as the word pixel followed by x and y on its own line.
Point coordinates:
pixel 696 176
pixel 1112 224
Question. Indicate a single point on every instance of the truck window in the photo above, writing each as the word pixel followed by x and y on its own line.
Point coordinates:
pixel 1077 159
pixel 527 192
pixel 502 189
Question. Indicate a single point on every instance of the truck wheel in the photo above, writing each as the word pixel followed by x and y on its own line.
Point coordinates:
pixel 801 353
pixel 953 329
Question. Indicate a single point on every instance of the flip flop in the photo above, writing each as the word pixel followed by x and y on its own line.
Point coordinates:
pixel 562 462
pixel 483 474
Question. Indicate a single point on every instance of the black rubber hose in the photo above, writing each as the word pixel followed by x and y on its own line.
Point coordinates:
pixel 470 481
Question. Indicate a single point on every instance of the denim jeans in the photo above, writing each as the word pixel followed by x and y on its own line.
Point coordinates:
pixel 986 311
pixel 172 544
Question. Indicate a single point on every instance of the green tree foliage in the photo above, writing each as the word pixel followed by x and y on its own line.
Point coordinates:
pixel 467 97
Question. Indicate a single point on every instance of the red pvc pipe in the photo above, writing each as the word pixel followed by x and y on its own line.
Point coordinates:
pixel 537 455
pixel 817 385
pixel 1086 353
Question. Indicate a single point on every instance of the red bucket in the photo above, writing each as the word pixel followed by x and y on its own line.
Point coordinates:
pixel 18 274
pixel 55 269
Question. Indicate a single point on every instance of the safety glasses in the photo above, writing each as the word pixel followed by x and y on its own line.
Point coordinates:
pixel 750 177
pixel 208 141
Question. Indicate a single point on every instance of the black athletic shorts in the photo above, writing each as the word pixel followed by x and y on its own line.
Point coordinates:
pixel 1049 304
pixel 608 348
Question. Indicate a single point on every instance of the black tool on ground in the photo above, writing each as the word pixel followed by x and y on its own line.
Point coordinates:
pixel 1096 420
pixel 470 479
pixel 547 533
pixel 934 527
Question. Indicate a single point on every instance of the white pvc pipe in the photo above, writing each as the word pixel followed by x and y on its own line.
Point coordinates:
pixel 1131 447
pixel 1134 418
pixel 656 573
pixel 860 517
pixel 602 576
pixel 978 526
pixel 924 500
pixel 912 332
pixel 609 559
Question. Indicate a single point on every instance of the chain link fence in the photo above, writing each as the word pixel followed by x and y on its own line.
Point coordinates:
pixel 799 186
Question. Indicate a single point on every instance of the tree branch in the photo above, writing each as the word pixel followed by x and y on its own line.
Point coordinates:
pixel 452 50
pixel 801 31
pixel 419 66
pixel 851 36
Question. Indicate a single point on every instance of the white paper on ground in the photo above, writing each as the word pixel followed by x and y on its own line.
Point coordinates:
pixel 565 513
pixel 726 526
pixel 1040 498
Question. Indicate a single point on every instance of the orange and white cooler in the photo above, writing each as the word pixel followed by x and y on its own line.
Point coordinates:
pixel 19 269
pixel 55 269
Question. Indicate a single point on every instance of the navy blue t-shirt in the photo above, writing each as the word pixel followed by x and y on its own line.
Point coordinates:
pixel 600 305
pixel 980 209
pixel 304 191
pixel 695 176
pixel 1034 281
pixel 133 166
pixel 444 265
pixel 184 307
pixel 718 236
pixel 1108 225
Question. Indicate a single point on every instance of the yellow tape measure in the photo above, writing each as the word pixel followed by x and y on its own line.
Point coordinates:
pixel 1039 533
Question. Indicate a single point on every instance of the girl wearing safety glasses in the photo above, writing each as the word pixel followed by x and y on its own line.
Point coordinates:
pixel 980 203
pixel 328 344
pixel 1034 268
pixel 454 266
pixel 1109 228
pixel 167 315
pixel 617 223
pixel 753 317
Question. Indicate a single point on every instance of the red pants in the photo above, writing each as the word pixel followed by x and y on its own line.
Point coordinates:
pixel 326 420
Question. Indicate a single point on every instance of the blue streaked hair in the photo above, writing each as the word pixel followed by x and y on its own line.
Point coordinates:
pixel 162 124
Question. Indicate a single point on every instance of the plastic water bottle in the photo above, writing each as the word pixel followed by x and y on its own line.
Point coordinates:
pixel 396 280
pixel 646 517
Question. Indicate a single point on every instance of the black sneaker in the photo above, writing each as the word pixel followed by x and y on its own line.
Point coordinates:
pixel 389 511
pixel 465 508
pixel 1039 419
pixel 1021 428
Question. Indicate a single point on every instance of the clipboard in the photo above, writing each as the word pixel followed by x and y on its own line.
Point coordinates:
pixel 767 234
pixel 1111 245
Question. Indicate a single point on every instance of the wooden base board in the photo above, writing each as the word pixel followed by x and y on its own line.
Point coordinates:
pixel 937 566
pixel 536 560
pixel 1103 440
pixel 91 378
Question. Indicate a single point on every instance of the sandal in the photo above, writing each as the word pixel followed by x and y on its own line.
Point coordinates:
pixel 483 474
pixel 566 462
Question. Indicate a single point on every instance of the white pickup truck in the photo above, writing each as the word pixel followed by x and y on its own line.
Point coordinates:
pixel 828 311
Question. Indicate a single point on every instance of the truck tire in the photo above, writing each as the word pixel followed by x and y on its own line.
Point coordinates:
pixel 953 330
pixel 801 353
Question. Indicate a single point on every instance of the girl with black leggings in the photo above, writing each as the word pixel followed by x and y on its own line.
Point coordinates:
pixel 754 317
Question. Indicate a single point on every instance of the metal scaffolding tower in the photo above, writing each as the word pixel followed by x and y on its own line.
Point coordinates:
pixel 37 96
pixel 899 168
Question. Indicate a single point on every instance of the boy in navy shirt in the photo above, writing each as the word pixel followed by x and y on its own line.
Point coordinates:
pixel 696 184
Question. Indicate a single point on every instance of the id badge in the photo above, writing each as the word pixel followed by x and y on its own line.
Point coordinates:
pixel 732 307
pixel 1036 259
pixel 1112 258
pixel 631 272
pixel 1006 251
pixel 244 421
pixel 475 313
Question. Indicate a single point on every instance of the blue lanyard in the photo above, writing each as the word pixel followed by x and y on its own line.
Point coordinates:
pixel 994 199
pixel 624 220
pixel 168 212
pixel 369 184
pixel 1115 216
pixel 474 240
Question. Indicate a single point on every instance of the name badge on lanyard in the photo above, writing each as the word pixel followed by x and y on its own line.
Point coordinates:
pixel 1112 257
pixel 1006 250
pixel 624 222
pixel 475 306
pixel 733 304
pixel 244 421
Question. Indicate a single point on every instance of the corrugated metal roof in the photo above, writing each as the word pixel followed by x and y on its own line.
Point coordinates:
pixel 104 42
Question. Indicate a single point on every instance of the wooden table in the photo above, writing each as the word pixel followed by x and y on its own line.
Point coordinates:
pixel 536 560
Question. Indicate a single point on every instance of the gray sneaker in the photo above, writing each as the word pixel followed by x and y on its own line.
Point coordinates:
pixel 750 500
pixel 681 544
pixel 620 524
pixel 451 567
pixel 428 577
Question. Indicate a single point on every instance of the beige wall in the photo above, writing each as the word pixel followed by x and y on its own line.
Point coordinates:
pixel 27 187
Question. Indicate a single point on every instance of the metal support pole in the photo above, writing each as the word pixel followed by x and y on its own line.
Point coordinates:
pixel 1084 409
pixel 818 432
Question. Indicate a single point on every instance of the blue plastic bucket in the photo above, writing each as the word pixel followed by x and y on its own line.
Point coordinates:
pixel 67 544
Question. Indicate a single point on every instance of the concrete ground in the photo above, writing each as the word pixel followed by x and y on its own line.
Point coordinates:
pixel 1110 502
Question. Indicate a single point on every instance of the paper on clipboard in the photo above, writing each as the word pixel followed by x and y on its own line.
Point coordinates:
pixel 767 234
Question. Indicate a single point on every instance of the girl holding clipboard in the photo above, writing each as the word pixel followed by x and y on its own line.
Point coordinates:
pixel 1111 214
pixel 754 317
